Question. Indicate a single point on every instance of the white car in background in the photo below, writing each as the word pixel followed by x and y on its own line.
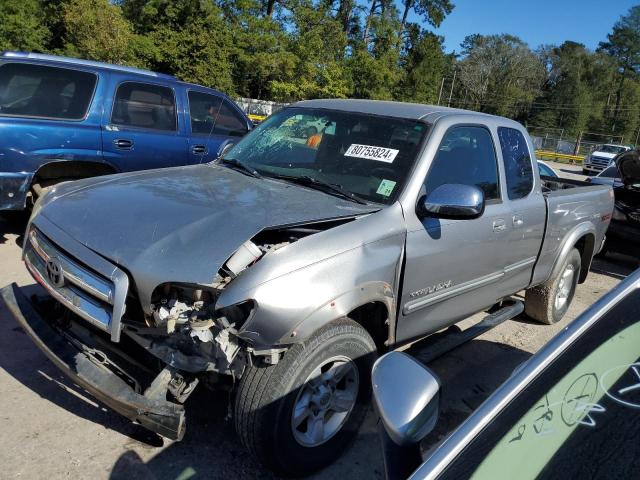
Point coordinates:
pixel 601 157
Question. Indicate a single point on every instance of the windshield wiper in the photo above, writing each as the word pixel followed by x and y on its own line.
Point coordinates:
pixel 238 165
pixel 326 187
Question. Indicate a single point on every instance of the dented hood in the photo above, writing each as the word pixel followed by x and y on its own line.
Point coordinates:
pixel 182 224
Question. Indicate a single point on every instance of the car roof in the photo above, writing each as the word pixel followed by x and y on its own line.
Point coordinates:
pixel 85 63
pixel 414 111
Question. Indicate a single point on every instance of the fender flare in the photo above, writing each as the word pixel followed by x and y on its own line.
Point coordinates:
pixel 342 305
pixel 580 231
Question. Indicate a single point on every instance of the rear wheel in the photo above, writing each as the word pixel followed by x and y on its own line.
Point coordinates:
pixel 548 302
pixel 299 415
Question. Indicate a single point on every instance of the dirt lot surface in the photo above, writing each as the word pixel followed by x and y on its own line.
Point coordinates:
pixel 51 429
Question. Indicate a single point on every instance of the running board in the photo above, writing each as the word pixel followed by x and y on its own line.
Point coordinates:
pixel 438 344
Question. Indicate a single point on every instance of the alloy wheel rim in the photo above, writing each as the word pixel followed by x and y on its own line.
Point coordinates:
pixel 324 401
pixel 564 287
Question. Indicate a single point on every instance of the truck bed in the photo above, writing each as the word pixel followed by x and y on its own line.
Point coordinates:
pixel 572 206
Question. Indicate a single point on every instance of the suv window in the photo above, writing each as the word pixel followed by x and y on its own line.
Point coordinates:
pixel 144 105
pixel 467 156
pixel 203 110
pixel 578 419
pixel 517 162
pixel 229 122
pixel 29 90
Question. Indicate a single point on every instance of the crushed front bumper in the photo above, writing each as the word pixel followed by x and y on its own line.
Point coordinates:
pixel 161 416
pixel 13 190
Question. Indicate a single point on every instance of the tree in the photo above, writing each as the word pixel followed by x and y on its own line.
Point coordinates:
pixel 623 44
pixel 431 11
pixel 97 30
pixel 500 74
pixel 23 26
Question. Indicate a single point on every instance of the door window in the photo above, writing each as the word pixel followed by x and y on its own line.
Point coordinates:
pixel 517 162
pixel 229 122
pixel 203 110
pixel 578 419
pixel 466 156
pixel 28 90
pixel 146 106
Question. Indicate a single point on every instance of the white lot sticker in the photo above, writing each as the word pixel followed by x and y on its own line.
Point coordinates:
pixel 370 152
pixel 386 187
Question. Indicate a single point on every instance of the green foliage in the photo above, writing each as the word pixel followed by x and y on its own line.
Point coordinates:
pixel 380 49
pixel 22 25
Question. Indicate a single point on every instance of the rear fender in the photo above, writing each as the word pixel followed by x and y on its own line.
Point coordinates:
pixel 584 230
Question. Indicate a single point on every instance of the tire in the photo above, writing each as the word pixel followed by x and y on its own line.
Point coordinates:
pixel 586 172
pixel 266 396
pixel 544 302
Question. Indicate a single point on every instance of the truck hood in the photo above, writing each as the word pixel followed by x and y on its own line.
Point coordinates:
pixel 628 164
pixel 603 154
pixel 182 224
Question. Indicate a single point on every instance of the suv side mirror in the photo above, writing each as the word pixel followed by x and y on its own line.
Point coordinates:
pixel 407 396
pixel 452 201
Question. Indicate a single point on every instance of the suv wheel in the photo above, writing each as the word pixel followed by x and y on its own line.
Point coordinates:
pixel 299 415
pixel 548 302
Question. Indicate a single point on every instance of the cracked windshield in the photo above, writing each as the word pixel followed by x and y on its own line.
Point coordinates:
pixel 359 157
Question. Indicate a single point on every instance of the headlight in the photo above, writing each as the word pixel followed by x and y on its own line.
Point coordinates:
pixel 618 215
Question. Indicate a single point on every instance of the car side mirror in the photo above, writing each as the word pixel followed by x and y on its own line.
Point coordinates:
pixel 452 201
pixel 407 396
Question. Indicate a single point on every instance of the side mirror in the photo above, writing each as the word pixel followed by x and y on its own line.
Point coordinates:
pixel 407 396
pixel 452 201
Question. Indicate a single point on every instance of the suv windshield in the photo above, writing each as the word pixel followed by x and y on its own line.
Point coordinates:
pixel 364 155
pixel 611 149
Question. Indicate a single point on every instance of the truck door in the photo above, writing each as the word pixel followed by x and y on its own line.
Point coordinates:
pixel 214 125
pixel 453 267
pixel 528 210
pixel 142 130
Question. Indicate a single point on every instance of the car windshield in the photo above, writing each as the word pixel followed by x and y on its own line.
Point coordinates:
pixel 364 155
pixel 610 172
pixel 611 149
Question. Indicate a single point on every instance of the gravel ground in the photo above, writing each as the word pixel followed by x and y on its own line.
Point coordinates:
pixel 52 430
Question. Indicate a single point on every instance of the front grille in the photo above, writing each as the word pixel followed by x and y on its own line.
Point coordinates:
pixel 599 162
pixel 97 299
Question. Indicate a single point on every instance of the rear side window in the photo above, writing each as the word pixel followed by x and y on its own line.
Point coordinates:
pixel 203 110
pixel 229 122
pixel 143 105
pixel 467 156
pixel 28 90
pixel 517 162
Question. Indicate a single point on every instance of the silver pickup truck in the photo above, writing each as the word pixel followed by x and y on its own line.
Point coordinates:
pixel 336 230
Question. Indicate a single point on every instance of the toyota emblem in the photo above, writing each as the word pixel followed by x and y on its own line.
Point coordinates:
pixel 54 272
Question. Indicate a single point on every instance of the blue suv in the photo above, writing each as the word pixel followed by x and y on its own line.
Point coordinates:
pixel 63 119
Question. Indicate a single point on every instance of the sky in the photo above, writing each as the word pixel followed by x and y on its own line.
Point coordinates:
pixel 536 22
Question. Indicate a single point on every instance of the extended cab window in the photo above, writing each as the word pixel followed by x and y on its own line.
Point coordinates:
pixel 28 90
pixel 517 162
pixel 144 106
pixel 203 110
pixel 229 122
pixel 466 156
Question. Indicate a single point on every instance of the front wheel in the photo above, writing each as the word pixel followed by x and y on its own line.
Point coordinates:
pixel 548 302
pixel 299 415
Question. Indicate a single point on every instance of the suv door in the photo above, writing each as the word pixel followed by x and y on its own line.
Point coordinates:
pixel 142 129
pixel 572 412
pixel 215 125
pixel 452 266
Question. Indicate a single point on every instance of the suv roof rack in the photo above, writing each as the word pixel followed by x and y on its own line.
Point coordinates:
pixel 87 63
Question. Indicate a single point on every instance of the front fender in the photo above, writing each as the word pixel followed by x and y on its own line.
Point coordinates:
pixel 290 307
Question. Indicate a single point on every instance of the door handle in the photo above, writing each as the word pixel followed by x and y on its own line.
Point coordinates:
pixel 518 221
pixel 123 144
pixel 199 149
pixel 499 225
